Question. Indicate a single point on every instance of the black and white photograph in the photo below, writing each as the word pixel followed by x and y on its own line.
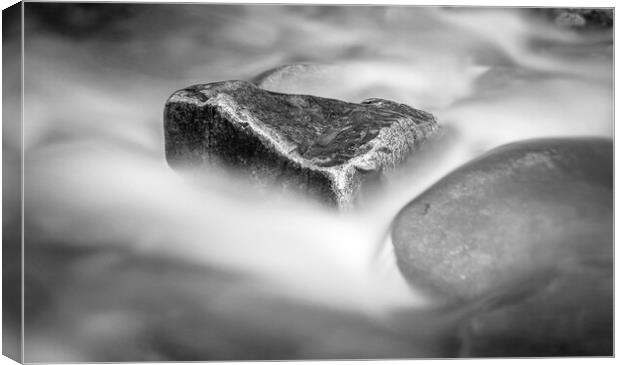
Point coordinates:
pixel 245 181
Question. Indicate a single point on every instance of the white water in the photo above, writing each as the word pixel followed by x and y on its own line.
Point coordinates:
pixel 95 173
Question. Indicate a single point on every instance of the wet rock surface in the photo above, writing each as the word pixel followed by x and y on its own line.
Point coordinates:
pixel 324 147
pixel 519 208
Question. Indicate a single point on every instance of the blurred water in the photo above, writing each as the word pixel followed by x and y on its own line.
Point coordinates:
pixel 96 179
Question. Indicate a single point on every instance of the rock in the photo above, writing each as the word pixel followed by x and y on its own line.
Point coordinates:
pixel 299 78
pixel 568 19
pixel 514 210
pixel 599 18
pixel 571 316
pixel 340 81
pixel 325 147
pixel 358 79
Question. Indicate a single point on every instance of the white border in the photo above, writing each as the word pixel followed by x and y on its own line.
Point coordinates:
pixel 509 3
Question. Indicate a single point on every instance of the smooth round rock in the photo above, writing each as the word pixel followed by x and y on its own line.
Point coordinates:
pixel 518 208
pixel 337 81
pixel 571 316
pixel 298 78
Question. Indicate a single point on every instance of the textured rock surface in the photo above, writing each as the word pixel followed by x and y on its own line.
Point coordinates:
pixel 325 147
pixel 518 208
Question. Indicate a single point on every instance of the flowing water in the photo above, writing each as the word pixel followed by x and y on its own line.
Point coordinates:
pixel 96 181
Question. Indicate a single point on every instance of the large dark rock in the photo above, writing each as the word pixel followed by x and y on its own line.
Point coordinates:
pixel 520 208
pixel 571 315
pixel 325 147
